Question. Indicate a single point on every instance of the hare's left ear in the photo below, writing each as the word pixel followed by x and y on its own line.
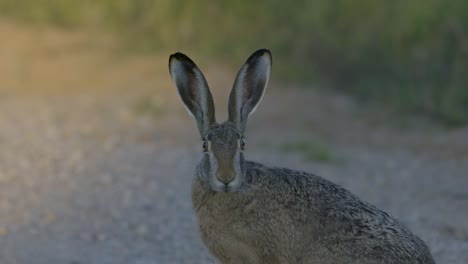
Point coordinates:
pixel 193 90
pixel 249 87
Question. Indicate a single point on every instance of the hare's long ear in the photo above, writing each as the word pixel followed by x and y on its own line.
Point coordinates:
pixel 193 90
pixel 249 87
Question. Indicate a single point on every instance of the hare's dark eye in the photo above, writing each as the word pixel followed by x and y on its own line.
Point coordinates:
pixel 205 145
pixel 242 143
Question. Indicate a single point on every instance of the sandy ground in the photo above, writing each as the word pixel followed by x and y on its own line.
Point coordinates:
pixel 97 155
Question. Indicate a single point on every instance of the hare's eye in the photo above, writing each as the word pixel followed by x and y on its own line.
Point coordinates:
pixel 205 145
pixel 242 143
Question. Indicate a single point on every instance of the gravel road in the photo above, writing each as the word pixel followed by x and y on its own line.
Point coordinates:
pixel 102 174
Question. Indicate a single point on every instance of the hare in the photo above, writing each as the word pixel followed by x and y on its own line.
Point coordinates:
pixel 251 213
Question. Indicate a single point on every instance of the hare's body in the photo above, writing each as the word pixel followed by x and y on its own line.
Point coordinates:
pixel 251 214
pixel 286 216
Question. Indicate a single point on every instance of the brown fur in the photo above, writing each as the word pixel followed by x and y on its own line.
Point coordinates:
pixel 285 216
pixel 253 214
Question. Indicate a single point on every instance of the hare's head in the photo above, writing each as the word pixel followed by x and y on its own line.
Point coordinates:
pixel 222 165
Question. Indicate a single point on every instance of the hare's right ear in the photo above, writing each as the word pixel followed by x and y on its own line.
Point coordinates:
pixel 193 90
pixel 249 87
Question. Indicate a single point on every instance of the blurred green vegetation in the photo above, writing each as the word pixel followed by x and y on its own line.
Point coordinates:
pixel 310 150
pixel 409 54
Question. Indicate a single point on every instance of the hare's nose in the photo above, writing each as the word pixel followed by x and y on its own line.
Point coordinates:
pixel 226 177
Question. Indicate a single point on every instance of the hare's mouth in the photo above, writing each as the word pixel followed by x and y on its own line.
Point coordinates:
pixel 232 186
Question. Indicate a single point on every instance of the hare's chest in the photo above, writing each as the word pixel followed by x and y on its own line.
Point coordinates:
pixel 226 232
pixel 228 239
pixel 216 217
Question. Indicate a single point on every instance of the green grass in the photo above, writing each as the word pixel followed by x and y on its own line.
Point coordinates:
pixel 310 150
pixel 412 55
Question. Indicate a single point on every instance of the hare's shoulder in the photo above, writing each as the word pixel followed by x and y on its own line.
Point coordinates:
pixel 300 185
pixel 339 215
pixel 313 196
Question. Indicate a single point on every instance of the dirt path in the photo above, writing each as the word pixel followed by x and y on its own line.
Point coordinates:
pixel 97 155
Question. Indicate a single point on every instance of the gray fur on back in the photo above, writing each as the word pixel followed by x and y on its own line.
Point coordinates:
pixel 286 216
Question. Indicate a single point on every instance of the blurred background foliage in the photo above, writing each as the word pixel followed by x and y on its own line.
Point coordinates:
pixel 412 55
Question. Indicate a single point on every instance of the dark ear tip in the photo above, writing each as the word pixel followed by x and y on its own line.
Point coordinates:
pixel 259 53
pixel 180 57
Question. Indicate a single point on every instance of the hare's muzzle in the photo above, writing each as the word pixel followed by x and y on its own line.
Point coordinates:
pixel 227 181
pixel 226 177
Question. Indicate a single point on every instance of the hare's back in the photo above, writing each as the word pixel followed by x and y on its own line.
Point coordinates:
pixel 330 217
